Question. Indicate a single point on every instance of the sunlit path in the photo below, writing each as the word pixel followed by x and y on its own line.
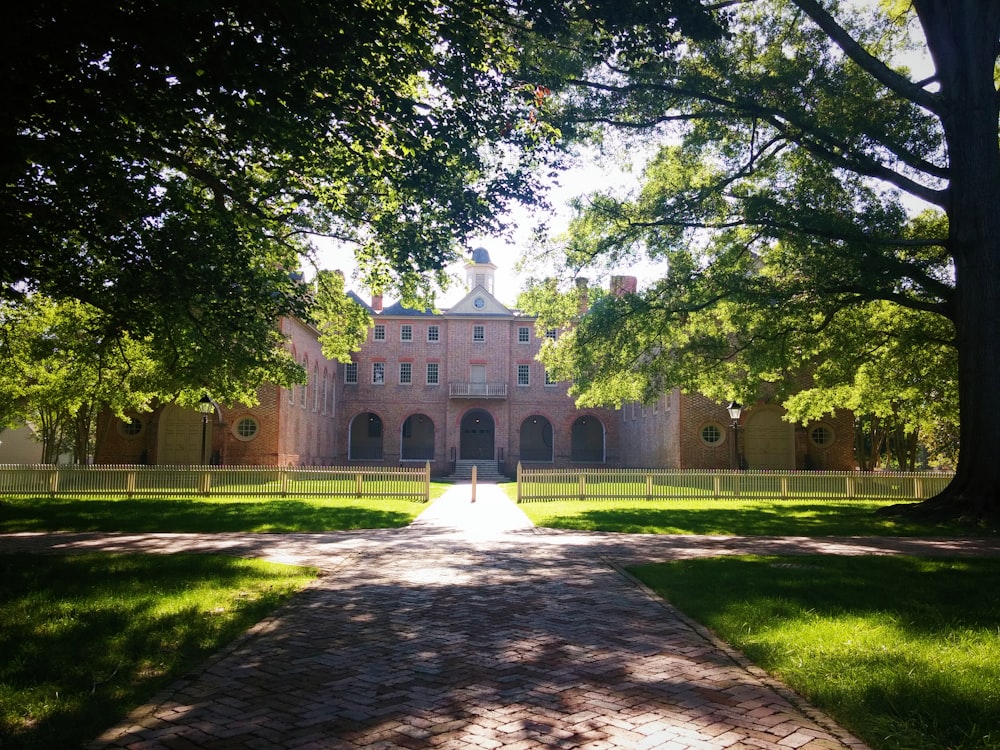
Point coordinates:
pixel 471 629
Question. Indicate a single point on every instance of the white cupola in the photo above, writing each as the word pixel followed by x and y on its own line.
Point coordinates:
pixel 479 271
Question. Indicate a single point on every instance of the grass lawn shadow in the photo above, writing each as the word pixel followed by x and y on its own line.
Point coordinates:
pixel 213 515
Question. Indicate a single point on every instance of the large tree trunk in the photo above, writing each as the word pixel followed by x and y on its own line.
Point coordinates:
pixel 962 37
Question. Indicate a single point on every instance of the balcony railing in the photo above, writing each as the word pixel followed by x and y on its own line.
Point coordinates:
pixel 477 390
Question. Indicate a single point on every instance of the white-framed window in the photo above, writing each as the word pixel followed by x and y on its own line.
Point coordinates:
pixel 405 373
pixel 524 374
pixel 379 333
pixel 406 332
pixel 478 333
pixel 523 334
pixel 304 395
pixel 351 373
pixel 246 429
pixel 551 333
pixel 433 333
pixel 712 434
pixel 378 373
pixel 549 380
pixel 432 373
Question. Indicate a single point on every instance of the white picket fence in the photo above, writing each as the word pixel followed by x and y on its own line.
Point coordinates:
pixel 263 481
pixel 539 484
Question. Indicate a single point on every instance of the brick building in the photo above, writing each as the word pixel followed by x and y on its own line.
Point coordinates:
pixel 463 384
pixel 290 426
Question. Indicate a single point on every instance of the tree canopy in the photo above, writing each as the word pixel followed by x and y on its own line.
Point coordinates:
pixel 167 162
pixel 788 154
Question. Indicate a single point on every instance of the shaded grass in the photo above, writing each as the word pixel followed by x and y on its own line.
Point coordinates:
pixel 86 638
pixel 904 652
pixel 213 514
pixel 739 518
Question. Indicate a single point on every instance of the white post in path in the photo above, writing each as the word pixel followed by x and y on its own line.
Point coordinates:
pixel 474 472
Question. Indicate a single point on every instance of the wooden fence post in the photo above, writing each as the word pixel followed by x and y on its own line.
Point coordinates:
pixel 583 486
pixel 427 482
pixel 475 472
pixel 518 481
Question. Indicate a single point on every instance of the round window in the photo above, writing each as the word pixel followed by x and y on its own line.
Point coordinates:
pixel 130 427
pixel 246 429
pixel 821 435
pixel 712 434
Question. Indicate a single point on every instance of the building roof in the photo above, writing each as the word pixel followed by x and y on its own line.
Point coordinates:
pixel 360 301
pixel 481 256
pixel 398 308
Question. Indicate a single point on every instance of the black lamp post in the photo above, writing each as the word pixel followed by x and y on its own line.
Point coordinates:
pixel 735 410
pixel 206 406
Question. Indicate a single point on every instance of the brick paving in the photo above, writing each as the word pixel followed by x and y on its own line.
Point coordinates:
pixel 472 630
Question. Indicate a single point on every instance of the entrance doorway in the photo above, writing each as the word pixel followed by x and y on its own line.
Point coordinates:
pixel 179 439
pixel 477 435
pixel 770 440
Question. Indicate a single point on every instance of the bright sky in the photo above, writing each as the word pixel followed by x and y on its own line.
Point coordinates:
pixel 503 252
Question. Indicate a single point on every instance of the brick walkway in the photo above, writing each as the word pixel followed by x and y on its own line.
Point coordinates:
pixel 470 629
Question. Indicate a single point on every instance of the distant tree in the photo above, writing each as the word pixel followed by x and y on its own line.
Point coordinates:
pixel 774 199
pixel 59 372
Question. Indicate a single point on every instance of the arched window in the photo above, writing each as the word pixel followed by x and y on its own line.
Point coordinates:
pixel 536 439
pixel 417 438
pixel 365 438
pixel 587 440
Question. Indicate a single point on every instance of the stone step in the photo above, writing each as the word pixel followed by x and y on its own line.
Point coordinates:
pixel 486 471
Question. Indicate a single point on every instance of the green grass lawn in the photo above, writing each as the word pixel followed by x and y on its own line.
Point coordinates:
pixel 903 652
pixel 86 638
pixel 733 517
pixel 213 514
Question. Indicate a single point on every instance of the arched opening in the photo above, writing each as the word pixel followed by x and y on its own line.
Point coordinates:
pixel 536 439
pixel 179 437
pixel 417 438
pixel 365 438
pixel 477 435
pixel 587 440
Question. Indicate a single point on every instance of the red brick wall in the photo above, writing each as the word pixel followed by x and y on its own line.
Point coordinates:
pixel 456 353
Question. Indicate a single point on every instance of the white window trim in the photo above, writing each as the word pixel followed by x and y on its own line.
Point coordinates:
pixel 527 373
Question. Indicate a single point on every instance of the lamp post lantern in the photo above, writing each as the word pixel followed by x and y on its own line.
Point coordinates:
pixel 206 406
pixel 735 410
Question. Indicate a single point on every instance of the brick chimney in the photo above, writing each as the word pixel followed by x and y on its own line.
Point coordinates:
pixel 622 285
pixel 583 301
pixel 376 302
